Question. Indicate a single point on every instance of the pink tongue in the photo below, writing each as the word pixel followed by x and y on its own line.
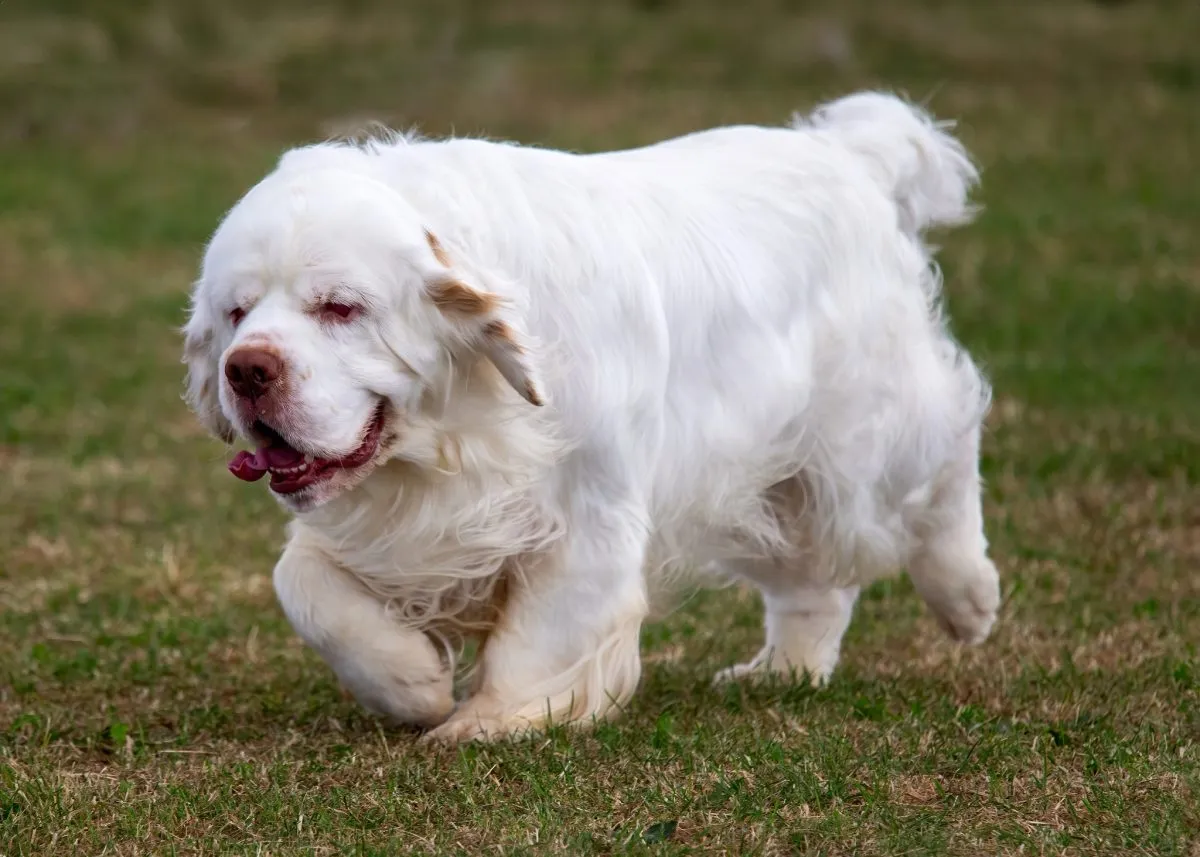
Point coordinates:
pixel 247 466
pixel 252 466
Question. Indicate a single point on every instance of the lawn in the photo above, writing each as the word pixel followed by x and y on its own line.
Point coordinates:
pixel 153 699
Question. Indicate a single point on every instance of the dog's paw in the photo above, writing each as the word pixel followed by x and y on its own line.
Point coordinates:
pixel 766 667
pixel 391 686
pixel 466 726
pixel 968 612
pixel 734 673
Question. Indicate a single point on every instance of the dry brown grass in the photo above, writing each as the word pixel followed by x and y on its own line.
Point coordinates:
pixel 152 699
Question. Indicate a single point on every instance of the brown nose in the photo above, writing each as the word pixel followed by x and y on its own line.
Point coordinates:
pixel 252 371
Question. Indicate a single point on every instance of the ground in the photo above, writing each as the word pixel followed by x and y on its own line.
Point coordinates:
pixel 153 698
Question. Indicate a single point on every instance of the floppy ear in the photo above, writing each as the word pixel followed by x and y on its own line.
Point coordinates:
pixel 199 353
pixel 486 323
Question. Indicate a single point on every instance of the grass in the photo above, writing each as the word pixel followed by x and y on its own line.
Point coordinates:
pixel 154 700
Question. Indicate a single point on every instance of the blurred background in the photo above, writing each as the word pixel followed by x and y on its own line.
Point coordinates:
pixel 136 610
pixel 128 126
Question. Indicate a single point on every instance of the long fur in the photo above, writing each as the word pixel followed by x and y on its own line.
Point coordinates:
pixel 737 341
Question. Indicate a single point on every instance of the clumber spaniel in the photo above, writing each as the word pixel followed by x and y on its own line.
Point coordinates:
pixel 509 392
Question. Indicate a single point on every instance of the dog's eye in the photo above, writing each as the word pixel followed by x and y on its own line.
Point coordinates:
pixel 338 311
pixel 236 315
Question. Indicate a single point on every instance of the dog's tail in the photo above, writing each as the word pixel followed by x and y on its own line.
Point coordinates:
pixel 925 170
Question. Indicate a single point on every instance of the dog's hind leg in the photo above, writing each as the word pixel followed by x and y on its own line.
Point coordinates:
pixel 804 625
pixel 950 567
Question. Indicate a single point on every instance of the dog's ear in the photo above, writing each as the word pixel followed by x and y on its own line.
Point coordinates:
pixel 199 353
pixel 485 322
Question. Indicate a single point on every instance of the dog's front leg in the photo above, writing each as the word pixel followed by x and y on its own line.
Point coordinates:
pixel 393 671
pixel 566 649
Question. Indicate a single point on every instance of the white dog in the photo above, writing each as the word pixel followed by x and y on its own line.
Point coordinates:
pixel 508 392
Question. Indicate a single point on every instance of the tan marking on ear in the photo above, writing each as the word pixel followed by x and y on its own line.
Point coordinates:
pixel 439 252
pixel 501 346
pixel 453 296
pixel 532 395
pixel 500 330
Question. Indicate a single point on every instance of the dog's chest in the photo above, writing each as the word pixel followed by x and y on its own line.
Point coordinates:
pixel 432 554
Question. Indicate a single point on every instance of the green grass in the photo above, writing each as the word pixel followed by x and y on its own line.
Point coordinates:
pixel 154 700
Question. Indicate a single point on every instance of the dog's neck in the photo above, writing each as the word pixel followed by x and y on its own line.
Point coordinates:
pixel 433 531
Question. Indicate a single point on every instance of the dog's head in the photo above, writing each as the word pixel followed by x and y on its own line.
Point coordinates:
pixel 327 321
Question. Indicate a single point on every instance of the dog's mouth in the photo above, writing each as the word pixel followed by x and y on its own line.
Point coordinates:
pixel 292 470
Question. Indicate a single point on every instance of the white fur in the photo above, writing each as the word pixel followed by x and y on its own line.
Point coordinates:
pixel 738 340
